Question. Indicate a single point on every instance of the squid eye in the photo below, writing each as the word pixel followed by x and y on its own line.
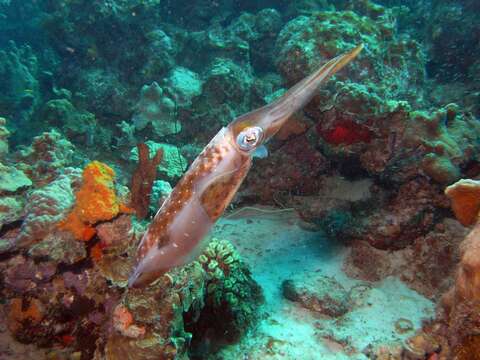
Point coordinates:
pixel 249 138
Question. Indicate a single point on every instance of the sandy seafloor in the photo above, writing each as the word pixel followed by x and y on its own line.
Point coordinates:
pixel 277 248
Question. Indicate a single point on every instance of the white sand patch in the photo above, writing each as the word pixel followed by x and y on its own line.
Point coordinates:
pixel 276 249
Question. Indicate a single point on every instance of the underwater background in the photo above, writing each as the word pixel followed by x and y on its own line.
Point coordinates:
pixel 355 238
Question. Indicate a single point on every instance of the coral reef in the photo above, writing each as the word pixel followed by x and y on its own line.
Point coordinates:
pixel 79 126
pixel 160 320
pixel 160 191
pixel 11 209
pixel 306 40
pixel 365 164
pixel 64 296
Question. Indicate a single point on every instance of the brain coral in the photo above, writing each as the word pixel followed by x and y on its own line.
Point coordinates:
pixel 46 206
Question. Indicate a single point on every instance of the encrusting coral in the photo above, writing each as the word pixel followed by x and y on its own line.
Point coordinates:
pixel 95 201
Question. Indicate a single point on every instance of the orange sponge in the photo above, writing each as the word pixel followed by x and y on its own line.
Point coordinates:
pixel 21 312
pixel 465 196
pixel 95 201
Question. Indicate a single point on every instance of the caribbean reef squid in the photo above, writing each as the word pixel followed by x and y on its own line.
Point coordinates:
pixel 176 235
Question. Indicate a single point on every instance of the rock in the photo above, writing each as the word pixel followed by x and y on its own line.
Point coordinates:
pixel 367 263
pixel 290 291
pixel 322 295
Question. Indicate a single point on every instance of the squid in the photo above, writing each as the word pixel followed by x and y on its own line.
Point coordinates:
pixel 176 236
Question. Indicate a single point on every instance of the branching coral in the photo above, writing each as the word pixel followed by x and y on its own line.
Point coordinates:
pixel 143 178
pixel 96 201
